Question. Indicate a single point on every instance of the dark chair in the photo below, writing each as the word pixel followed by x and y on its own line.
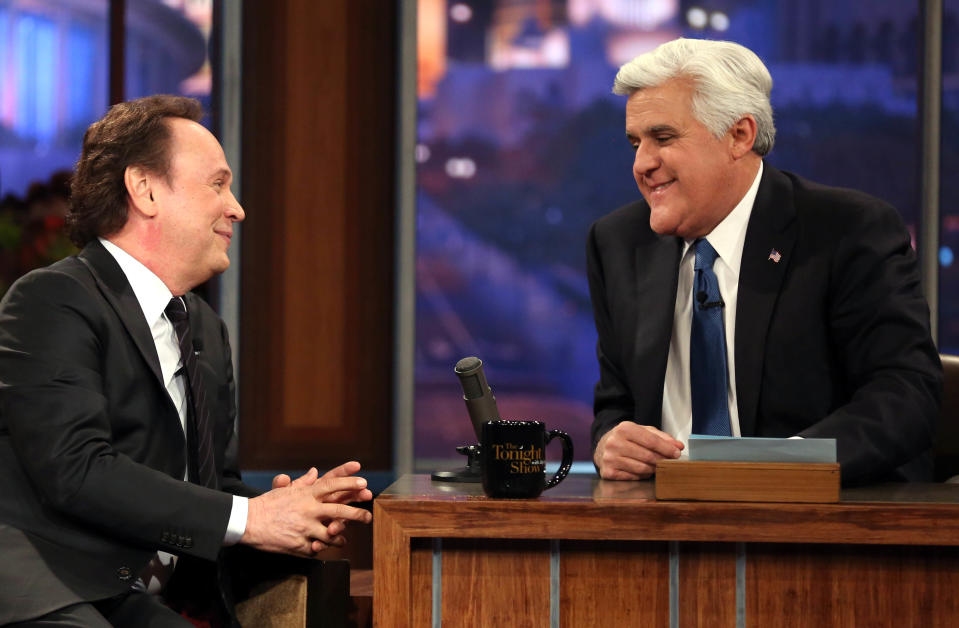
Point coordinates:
pixel 316 595
pixel 946 446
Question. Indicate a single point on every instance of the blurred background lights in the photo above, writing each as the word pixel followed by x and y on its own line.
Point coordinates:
pixel 460 167
pixel 697 18
pixel 719 21
pixel 946 256
pixel 422 153
pixel 461 12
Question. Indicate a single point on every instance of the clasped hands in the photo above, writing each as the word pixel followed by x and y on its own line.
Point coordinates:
pixel 309 514
pixel 630 451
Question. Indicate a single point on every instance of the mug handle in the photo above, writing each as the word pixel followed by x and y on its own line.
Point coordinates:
pixel 564 467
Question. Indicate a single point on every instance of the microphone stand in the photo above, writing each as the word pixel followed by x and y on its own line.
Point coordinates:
pixel 481 406
pixel 470 473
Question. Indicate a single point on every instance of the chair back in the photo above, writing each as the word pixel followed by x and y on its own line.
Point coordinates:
pixel 946 445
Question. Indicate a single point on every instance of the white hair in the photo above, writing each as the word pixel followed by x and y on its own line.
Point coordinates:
pixel 730 82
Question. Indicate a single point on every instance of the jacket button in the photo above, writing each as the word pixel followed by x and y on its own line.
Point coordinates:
pixel 124 573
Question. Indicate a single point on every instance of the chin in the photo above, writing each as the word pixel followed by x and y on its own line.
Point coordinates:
pixel 218 266
pixel 661 226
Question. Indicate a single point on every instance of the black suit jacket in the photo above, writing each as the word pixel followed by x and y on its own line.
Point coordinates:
pixel 92 453
pixel 830 342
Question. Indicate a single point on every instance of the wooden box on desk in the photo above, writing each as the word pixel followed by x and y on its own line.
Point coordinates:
pixel 747 481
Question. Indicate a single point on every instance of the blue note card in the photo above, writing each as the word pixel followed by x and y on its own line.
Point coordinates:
pixel 733 449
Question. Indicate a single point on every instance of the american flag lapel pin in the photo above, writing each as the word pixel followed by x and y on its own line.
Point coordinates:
pixel 775 256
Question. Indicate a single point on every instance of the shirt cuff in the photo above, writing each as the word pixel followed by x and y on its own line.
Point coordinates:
pixel 237 524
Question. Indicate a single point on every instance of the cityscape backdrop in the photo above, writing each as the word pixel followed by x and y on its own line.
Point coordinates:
pixel 521 146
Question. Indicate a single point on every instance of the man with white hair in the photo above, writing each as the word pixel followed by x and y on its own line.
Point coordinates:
pixel 737 299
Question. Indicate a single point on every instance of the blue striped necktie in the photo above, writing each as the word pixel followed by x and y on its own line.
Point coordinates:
pixel 708 376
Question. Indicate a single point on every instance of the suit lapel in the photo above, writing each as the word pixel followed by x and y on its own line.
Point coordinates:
pixel 657 264
pixel 118 292
pixel 771 233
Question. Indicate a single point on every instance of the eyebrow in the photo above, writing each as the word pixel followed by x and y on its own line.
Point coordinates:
pixel 661 128
pixel 223 172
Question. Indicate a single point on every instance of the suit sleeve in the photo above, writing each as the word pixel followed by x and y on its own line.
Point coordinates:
pixel 879 322
pixel 612 399
pixel 53 406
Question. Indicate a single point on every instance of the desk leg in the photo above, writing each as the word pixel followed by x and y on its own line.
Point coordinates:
pixel 391 571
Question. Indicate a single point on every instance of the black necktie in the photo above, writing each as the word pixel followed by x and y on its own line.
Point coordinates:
pixel 202 433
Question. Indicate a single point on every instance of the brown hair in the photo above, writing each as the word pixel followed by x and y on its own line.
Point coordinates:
pixel 132 133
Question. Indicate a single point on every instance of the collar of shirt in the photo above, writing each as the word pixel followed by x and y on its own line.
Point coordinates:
pixel 153 297
pixel 729 235
pixel 152 294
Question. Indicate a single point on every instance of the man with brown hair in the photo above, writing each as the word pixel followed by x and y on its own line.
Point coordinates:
pixel 117 445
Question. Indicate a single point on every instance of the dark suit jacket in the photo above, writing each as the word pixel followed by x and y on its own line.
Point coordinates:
pixel 830 342
pixel 92 453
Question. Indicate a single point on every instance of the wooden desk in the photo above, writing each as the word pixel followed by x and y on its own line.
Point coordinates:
pixel 596 553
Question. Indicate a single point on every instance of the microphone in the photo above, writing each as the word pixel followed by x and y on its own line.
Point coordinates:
pixel 480 403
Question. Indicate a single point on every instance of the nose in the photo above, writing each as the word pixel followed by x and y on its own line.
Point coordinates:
pixel 646 159
pixel 234 211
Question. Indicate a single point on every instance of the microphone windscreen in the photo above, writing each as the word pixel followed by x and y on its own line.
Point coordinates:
pixel 468 364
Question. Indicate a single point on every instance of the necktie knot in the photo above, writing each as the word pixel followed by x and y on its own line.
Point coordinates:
pixel 705 254
pixel 176 311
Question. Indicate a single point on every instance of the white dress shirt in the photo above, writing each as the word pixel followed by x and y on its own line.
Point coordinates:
pixel 727 239
pixel 153 297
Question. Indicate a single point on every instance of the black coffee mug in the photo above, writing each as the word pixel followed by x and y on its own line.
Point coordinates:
pixel 513 458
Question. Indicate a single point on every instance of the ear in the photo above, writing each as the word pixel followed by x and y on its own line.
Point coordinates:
pixel 139 185
pixel 742 136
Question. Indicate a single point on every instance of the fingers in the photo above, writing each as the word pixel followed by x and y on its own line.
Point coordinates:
pixel 341 513
pixel 319 546
pixel 328 487
pixel 283 480
pixel 344 470
pixel 347 497
pixel 336 527
pixel 308 478
pixel 331 534
pixel 291 520
pixel 630 451
pixel 648 437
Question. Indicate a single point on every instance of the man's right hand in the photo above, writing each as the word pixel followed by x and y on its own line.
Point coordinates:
pixel 299 519
pixel 630 451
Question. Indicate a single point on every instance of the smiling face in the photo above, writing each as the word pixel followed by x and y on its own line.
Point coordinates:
pixel 196 209
pixel 690 178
